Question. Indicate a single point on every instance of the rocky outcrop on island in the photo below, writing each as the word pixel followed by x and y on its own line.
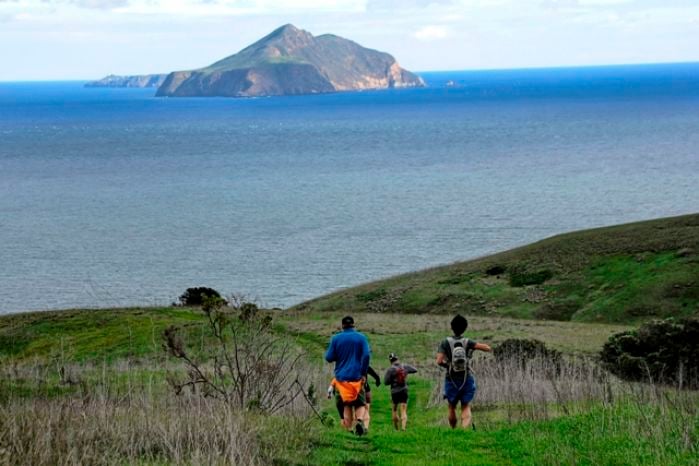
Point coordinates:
pixel 145 80
pixel 292 61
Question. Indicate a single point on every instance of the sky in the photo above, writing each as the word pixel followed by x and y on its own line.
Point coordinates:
pixel 88 39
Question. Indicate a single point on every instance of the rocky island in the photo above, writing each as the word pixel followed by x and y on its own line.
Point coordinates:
pixel 292 61
pixel 145 80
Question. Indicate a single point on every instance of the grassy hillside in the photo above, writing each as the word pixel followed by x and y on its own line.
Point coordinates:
pixel 98 386
pixel 116 405
pixel 622 273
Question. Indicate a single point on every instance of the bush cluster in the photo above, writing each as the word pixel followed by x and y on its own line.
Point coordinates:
pixel 195 296
pixel 521 277
pixel 664 351
pixel 523 351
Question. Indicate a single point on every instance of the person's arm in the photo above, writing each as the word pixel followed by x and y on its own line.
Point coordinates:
pixel 388 376
pixel 442 360
pixel 330 352
pixel 366 356
pixel 482 347
pixel 410 369
pixel 374 375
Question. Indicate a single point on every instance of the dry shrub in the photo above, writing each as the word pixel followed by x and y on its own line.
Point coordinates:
pixel 540 389
pixel 106 431
pixel 120 417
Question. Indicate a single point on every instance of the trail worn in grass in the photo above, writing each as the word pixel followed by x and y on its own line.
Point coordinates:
pixel 615 434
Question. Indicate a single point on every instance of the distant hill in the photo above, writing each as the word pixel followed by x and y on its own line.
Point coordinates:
pixel 292 61
pixel 145 80
pixel 625 273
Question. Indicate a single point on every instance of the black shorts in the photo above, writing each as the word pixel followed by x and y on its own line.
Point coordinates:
pixel 400 397
pixel 359 401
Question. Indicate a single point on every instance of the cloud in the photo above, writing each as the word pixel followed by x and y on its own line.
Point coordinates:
pixel 195 7
pixel 431 32
pixel 398 5
pixel 100 4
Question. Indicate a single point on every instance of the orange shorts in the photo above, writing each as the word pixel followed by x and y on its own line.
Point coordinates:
pixel 349 391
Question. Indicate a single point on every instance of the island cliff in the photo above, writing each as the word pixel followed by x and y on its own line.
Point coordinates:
pixel 292 61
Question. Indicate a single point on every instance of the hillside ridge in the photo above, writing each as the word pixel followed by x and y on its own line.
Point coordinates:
pixel 621 273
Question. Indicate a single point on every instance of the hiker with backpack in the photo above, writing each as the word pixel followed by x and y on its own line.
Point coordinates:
pixel 396 377
pixel 454 354
pixel 349 350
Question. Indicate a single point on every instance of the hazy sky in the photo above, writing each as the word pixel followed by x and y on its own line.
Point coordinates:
pixel 84 39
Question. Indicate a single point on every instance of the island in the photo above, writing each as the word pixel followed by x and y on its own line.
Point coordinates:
pixel 144 80
pixel 291 61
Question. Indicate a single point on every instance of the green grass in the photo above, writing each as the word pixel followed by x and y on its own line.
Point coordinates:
pixel 428 439
pixel 81 335
pixel 623 274
pixel 617 434
pixel 614 435
pixel 119 351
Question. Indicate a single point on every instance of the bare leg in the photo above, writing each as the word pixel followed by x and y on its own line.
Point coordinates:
pixel 367 416
pixel 403 414
pixel 465 415
pixel 360 413
pixel 348 418
pixel 394 416
pixel 452 416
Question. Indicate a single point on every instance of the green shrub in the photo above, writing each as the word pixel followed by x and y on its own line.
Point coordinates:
pixel 523 351
pixel 496 270
pixel 562 310
pixel 372 295
pixel 522 277
pixel 665 351
pixel 195 296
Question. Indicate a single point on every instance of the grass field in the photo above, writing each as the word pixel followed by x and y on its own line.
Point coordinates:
pixel 118 390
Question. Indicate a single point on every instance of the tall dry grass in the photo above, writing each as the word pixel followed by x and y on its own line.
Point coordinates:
pixel 662 418
pixel 113 418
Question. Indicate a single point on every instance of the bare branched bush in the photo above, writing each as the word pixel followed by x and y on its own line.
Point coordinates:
pixel 249 367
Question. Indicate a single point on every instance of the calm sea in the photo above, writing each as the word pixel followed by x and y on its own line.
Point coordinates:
pixel 112 197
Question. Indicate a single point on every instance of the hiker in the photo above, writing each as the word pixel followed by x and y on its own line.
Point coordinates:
pixel 397 378
pixel 349 350
pixel 367 390
pixel 339 404
pixel 454 354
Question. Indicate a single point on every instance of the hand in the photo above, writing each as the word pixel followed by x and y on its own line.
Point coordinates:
pixel 378 383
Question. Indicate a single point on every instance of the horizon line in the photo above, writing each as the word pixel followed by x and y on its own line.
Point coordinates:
pixel 467 70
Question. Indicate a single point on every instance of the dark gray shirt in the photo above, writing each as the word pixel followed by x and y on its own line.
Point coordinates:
pixel 390 377
pixel 445 348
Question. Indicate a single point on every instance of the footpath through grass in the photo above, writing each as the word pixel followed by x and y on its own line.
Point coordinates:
pixel 428 439
pixel 616 434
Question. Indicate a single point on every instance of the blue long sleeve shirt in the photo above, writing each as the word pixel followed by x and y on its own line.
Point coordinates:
pixel 350 352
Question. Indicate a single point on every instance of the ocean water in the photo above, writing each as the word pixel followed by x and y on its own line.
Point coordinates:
pixel 112 197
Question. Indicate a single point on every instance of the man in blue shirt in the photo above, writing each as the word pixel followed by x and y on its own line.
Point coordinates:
pixel 349 350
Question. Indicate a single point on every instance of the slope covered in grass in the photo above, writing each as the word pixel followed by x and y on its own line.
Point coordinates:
pixel 622 273
pixel 116 389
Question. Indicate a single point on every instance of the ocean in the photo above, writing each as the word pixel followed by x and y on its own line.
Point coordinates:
pixel 112 197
